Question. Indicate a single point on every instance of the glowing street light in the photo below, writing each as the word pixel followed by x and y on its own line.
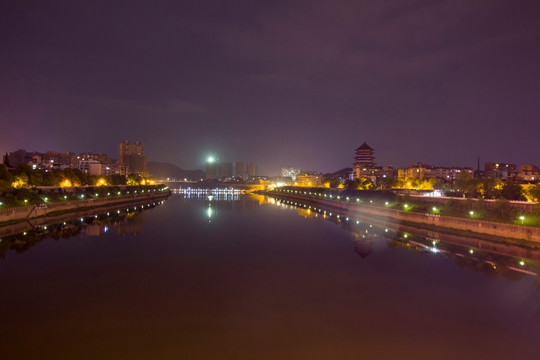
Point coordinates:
pixel 210 159
pixel 471 213
pixel 522 218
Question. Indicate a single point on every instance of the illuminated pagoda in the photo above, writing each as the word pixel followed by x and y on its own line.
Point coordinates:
pixel 364 157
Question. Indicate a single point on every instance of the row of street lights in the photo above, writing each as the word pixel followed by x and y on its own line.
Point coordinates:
pixel 406 207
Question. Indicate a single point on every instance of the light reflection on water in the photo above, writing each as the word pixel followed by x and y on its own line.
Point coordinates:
pixel 491 258
pixel 258 279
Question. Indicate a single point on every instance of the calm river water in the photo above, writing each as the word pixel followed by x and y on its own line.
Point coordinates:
pixel 251 278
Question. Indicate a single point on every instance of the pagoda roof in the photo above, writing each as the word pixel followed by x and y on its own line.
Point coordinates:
pixel 365 146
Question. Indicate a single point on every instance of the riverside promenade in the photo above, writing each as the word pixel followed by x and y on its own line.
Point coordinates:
pixel 24 213
pixel 440 222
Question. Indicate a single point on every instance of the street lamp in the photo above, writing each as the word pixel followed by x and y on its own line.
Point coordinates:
pixel 522 218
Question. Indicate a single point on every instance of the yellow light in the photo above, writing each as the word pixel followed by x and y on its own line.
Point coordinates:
pixel 19 183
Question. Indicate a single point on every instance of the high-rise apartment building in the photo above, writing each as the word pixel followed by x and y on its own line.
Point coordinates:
pixel 131 155
pixel 211 170
pixel 225 170
pixel 251 169
pixel 240 169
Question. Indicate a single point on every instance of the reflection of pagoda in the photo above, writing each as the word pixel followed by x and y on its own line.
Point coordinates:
pixel 363 245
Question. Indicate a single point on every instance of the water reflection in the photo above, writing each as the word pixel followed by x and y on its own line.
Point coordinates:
pixel 493 259
pixel 95 222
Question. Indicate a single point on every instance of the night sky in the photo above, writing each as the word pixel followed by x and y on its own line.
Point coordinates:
pixel 281 83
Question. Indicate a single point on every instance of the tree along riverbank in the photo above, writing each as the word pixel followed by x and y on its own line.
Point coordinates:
pixel 352 207
pixel 24 213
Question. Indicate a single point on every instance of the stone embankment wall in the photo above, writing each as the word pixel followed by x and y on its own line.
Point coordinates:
pixel 30 212
pixel 449 222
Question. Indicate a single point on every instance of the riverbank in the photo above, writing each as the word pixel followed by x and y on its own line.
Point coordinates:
pixel 459 226
pixel 24 213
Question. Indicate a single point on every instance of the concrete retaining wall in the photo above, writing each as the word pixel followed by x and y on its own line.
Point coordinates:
pixel 30 212
pixel 475 226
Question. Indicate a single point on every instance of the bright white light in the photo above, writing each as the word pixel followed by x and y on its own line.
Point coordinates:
pixel 210 159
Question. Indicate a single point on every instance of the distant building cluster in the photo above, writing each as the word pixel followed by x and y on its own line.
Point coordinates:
pixel 216 170
pixel 364 167
pixel 526 172
pixel 131 160
pixel 368 175
pixel 421 171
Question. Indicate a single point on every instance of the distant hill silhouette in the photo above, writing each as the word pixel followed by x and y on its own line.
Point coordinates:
pixel 344 173
pixel 163 170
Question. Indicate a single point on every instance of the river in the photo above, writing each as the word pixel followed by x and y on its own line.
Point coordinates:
pixel 248 277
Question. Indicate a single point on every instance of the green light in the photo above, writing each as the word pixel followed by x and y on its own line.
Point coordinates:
pixel 210 159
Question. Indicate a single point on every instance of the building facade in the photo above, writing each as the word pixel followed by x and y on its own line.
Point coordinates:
pixel 132 157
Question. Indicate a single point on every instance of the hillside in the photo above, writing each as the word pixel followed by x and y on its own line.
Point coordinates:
pixel 163 170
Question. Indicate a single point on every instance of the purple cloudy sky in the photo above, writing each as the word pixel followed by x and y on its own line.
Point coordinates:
pixel 299 83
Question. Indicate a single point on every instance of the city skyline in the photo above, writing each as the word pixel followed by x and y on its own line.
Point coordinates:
pixel 436 82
